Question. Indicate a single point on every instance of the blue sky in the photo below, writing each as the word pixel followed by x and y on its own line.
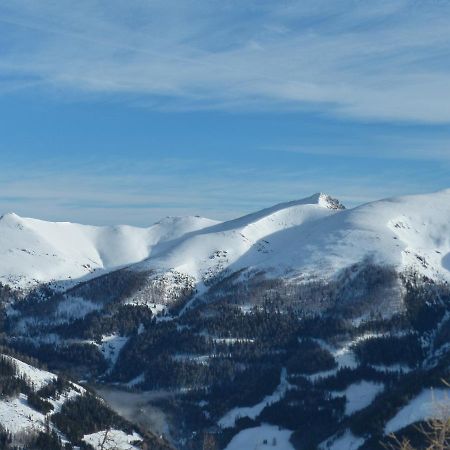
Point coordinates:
pixel 125 112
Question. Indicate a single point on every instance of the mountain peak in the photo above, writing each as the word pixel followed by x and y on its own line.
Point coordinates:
pixel 11 218
pixel 9 215
pixel 327 201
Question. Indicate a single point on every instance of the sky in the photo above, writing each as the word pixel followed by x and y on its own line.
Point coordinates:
pixel 129 111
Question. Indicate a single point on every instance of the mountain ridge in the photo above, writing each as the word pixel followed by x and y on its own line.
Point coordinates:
pixel 295 244
pixel 299 313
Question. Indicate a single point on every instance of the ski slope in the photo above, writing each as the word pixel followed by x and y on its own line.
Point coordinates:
pixel 359 395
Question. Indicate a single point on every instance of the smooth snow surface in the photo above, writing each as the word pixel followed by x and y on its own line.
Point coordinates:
pixel 33 251
pixel 359 395
pixel 302 240
pixel 243 242
pixel 309 240
pixel 446 261
pixel 264 437
pixel 17 416
pixel 429 403
pixel 115 440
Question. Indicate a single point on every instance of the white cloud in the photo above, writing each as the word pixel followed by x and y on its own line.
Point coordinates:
pixel 385 60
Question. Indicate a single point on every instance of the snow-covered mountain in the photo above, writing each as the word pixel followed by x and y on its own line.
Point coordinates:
pixel 355 254
pixel 34 251
pixel 313 240
pixel 351 324
pixel 316 237
pixel 245 242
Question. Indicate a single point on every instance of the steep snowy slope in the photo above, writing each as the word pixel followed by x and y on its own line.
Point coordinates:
pixel 242 242
pixel 310 240
pixel 404 232
pixel 312 237
pixel 16 414
pixel 35 401
pixel 33 251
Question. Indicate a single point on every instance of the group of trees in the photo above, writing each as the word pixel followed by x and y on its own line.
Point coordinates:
pixel 267 323
pixel 310 357
pixel 228 357
pixel 388 350
pixel 86 414
pixel 426 302
pixel 124 320
pixel 39 399
pixel 11 382
pixel 47 439
pixel 346 376
pixel 80 359
pixel 313 413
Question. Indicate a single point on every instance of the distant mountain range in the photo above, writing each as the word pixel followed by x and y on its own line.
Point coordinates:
pixel 313 240
pixel 301 326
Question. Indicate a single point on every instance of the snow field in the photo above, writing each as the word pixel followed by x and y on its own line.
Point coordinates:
pixel 428 404
pixel 359 395
pixel 112 440
pixel 16 416
pixel 34 251
pixel 264 437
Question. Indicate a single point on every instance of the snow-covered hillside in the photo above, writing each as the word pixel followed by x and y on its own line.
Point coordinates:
pixel 245 242
pixel 31 407
pixel 312 236
pixel 313 239
pixel 16 414
pixel 34 251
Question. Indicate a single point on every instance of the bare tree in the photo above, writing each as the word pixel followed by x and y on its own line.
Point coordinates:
pixel 107 442
pixel 436 432
pixel 436 435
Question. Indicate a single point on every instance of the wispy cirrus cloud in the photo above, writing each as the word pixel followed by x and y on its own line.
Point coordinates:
pixel 382 146
pixel 386 60
pixel 142 192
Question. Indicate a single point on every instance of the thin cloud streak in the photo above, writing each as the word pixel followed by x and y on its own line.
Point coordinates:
pixel 393 149
pixel 353 59
pixel 97 196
